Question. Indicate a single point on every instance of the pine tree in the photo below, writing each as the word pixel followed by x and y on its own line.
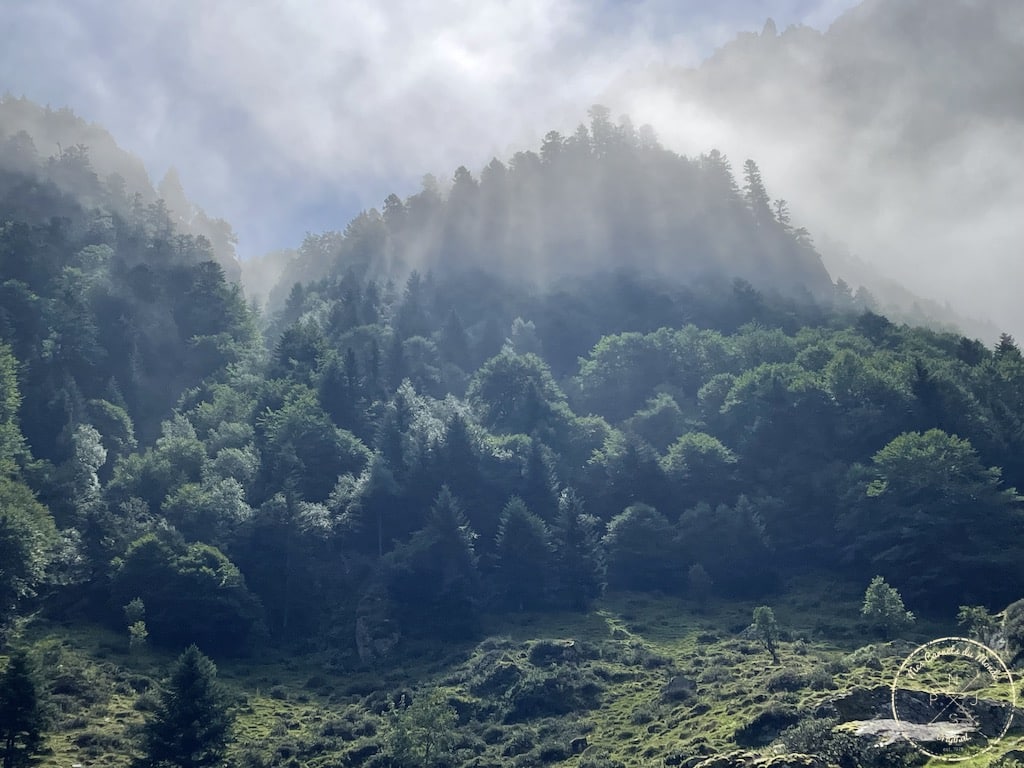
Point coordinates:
pixel 192 724
pixel 577 552
pixel 21 717
pixel 434 574
pixel 756 195
pixel 523 547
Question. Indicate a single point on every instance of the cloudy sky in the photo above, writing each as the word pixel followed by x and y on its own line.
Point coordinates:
pixel 290 115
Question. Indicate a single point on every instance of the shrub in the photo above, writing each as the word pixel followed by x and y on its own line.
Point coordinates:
pixel 418 735
pixel 787 680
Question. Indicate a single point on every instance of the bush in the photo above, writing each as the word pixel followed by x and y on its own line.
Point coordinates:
pixel 763 729
pixel 419 735
pixel 980 624
pixel 1013 630
pixel 787 680
pixel 557 692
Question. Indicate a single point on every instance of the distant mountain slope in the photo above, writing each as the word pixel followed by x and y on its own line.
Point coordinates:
pixel 608 197
pixel 898 131
pixel 870 288
pixel 48 142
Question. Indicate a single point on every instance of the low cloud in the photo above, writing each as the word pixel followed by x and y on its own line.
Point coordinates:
pixel 278 111
pixel 286 116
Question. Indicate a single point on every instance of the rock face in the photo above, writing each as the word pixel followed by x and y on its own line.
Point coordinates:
pixel 578 745
pixel 863 704
pixel 875 704
pixel 885 732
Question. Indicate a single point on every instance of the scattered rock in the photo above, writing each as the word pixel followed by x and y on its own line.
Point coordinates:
pixel 545 652
pixel 766 727
pixel 679 688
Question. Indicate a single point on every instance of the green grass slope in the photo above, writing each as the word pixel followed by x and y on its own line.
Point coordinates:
pixel 638 681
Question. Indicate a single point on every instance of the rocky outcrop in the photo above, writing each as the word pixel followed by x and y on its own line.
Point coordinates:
pixel 875 704
pixel 885 732
pixel 679 688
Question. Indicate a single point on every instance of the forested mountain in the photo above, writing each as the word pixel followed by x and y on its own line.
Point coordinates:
pixel 578 207
pixel 85 163
pixel 603 366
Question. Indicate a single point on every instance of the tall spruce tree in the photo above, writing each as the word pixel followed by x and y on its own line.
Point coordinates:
pixel 21 716
pixel 192 725
pixel 523 547
pixel 578 559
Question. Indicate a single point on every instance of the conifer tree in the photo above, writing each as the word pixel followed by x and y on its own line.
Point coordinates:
pixel 21 717
pixel 523 546
pixel 192 725
pixel 578 558
pixel 755 194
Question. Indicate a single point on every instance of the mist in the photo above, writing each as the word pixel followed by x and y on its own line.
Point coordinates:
pixel 290 118
pixel 896 136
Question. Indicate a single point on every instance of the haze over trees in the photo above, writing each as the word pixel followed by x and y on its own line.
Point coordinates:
pixel 600 366
pixel 879 100
pixel 548 378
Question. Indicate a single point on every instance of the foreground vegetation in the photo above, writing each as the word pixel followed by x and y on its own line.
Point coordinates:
pixel 640 680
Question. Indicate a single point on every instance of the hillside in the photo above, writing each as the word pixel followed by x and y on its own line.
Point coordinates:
pixel 85 162
pixel 516 463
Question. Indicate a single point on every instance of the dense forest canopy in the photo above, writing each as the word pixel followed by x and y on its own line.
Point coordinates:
pixel 82 160
pixel 601 364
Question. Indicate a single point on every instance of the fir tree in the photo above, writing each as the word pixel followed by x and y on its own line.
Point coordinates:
pixel 523 547
pixel 21 717
pixel 577 552
pixel 192 725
